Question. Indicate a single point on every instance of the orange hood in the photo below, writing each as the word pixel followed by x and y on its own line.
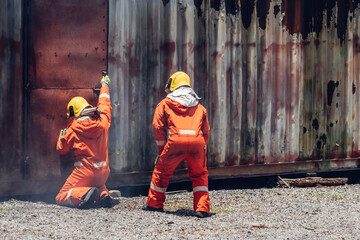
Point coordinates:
pixel 175 106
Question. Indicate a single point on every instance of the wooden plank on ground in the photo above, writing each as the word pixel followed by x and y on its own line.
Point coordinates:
pixel 312 181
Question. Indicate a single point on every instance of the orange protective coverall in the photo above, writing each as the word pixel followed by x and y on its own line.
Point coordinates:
pixel 89 140
pixel 188 131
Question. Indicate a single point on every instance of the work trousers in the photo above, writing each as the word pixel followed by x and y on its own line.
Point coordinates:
pixel 194 152
pixel 80 181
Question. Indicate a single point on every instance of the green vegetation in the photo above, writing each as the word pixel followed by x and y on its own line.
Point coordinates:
pixel 5 209
pixel 325 195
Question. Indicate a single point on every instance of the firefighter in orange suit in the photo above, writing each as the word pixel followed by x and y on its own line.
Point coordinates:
pixel 87 136
pixel 181 130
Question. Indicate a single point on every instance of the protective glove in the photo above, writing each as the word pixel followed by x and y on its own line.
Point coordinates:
pixel 105 81
pixel 157 159
pixel 62 133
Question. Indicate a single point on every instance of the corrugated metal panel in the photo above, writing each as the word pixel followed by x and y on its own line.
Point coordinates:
pixel 279 78
pixel 11 96
pixel 330 99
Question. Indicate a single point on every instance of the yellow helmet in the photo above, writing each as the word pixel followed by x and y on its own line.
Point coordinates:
pixel 76 106
pixel 176 80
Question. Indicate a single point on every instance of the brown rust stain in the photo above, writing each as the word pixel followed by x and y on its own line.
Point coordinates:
pixel 129 63
pixel 67 52
pixel 312 15
pixel 274 92
pixel 169 49
pixel 63 46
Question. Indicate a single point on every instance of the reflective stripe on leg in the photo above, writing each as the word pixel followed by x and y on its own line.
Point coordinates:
pixel 160 143
pixel 77 164
pixel 158 189
pixel 68 199
pixel 100 164
pixel 200 188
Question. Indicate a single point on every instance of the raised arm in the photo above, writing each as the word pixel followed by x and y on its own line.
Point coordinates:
pixel 104 103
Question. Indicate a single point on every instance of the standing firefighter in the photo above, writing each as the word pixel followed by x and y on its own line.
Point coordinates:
pixel 181 130
pixel 87 136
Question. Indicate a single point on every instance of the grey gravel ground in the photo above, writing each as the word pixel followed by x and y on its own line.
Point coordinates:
pixel 276 213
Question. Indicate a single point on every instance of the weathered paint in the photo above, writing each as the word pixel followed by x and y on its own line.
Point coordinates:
pixel 11 92
pixel 251 170
pixel 280 80
pixel 67 52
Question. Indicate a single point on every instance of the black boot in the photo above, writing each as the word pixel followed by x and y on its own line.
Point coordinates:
pixel 152 209
pixel 202 214
pixel 106 201
pixel 88 200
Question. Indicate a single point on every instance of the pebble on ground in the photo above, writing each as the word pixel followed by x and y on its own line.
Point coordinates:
pixel 274 213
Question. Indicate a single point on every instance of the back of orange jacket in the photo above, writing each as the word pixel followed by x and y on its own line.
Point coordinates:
pixel 174 122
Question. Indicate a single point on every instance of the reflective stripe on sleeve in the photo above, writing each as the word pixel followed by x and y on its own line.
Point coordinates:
pixel 104 95
pixel 160 143
pixel 100 164
pixel 187 132
pixel 77 164
pixel 83 118
pixel 158 189
pixel 200 188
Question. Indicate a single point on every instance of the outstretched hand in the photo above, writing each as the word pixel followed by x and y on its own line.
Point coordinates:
pixel 62 133
pixel 105 81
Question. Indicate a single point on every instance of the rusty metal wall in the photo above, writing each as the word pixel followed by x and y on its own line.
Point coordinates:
pixel 11 94
pixel 331 83
pixel 279 79
pixel 66 54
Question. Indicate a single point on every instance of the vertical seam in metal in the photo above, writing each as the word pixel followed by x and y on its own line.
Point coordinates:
pixel 25 24
pixel 107 36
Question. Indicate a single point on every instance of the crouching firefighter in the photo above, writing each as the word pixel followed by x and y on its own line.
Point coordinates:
pixel 181 130
pixel 87 136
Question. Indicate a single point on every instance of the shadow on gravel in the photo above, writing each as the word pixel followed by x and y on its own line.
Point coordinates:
pixel 232 183
pixel 182 212
pixel 47 198
pixel 214 184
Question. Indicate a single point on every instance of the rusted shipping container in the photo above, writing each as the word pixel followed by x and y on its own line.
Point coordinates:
pixel 11 91
pixel 279 78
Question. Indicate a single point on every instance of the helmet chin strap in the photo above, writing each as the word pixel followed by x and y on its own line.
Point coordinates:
pixel 168 85
pixel 71 109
